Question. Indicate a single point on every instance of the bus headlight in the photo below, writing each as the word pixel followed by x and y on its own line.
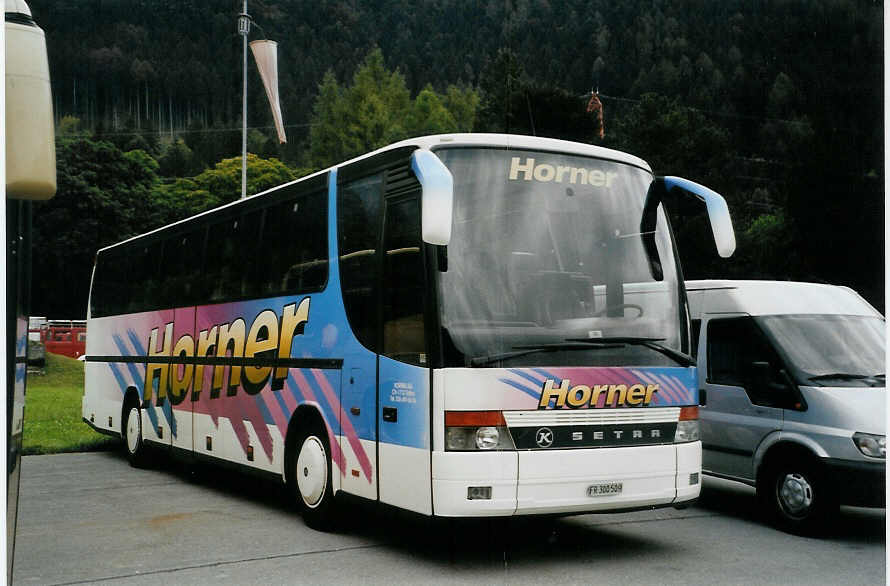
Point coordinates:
pixel 687 426
pixel 487 438
pixel 468 431
pixel 874 446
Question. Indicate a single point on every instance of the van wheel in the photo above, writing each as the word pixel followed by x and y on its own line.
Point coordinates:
pixel 796 497
pixel 131 432
pixel 311 478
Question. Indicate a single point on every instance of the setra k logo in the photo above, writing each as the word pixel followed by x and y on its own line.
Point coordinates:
pixel 544 437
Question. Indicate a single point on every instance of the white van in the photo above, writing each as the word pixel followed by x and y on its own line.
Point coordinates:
pixel 792 382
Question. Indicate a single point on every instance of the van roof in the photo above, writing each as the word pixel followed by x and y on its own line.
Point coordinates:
pixel 774 298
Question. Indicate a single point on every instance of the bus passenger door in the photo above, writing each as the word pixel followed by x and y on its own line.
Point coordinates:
pixel 404 381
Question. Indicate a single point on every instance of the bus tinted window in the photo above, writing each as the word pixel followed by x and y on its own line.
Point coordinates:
pixel 144 280
pixel 403 323
pixel 358 225
pixel 294 246
pixel 229 259
pixel 109 286
pixel 181 262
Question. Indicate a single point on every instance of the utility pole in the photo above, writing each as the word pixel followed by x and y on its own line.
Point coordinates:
pixel 244 30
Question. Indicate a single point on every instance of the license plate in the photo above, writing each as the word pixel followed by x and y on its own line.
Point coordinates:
pixel 605 489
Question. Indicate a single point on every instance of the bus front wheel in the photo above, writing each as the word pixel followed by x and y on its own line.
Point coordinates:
pixel 311 475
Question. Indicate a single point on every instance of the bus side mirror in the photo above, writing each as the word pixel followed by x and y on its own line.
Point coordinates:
pixel 437 199
pixel 30 138
pixel 718 212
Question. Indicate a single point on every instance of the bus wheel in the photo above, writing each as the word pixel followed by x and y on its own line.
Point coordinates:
pixel 132 434
pixel 795 495
pixel 312 478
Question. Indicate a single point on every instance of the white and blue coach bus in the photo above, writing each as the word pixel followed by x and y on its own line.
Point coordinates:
pixel 460 325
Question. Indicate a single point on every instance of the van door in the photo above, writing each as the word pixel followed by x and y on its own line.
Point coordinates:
pixel 740 371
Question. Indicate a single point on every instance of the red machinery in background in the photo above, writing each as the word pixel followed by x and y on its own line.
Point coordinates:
pixel 60 336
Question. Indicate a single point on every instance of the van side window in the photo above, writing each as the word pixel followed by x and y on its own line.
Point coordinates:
pixel 734 345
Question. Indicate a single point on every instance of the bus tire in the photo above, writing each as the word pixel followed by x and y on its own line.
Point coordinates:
pixel 131 433
pixel 794 493
pixel 311 474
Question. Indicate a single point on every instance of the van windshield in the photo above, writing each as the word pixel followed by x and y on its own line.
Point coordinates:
pixel 830 350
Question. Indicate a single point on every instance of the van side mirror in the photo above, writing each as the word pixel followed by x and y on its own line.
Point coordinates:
pixel 437 198
pixel 760 376
pixel 718 211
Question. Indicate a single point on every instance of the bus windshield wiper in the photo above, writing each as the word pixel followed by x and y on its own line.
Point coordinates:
pixel 651 343
pixel 841 375
pixel 587 344
pixel 531 349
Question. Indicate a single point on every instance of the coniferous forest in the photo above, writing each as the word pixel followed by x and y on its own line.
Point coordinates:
pixel 778 105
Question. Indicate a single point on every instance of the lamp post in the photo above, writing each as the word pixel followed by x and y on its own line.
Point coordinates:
pixel 244 30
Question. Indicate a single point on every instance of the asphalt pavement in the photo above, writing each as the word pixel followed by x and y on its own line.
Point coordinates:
pixel 92 519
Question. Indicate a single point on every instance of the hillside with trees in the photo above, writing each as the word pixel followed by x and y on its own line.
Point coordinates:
pixel 777 105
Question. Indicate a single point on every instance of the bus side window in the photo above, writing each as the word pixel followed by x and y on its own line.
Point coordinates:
pixel 229 259
pixel 358 231
pixel 109 289
pixel 294 249
pixel 143 280
pixel 180 254
pixel 403 315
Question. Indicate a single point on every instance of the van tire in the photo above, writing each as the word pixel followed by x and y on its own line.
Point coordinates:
pixel 794 494
pixel 310 477
pixel 131 433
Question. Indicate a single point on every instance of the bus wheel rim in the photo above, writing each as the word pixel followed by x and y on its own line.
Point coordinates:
pixel 134 430
pixel 312 471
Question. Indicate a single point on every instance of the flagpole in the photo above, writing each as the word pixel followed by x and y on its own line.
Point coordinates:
pixel 243 30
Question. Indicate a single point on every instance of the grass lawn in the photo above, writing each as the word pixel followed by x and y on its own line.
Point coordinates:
pixel 53 420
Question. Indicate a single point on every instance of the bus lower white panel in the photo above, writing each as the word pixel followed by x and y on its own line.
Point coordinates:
pixel 97 411
pixel 355 478
pixel 224 443
pixel 102 400
pixel 559 481
pixel 455 472
pixel 405 478
pixel 688 464
pixel 160 433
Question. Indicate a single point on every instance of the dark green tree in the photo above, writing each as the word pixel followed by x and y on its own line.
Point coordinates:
pixel 104 196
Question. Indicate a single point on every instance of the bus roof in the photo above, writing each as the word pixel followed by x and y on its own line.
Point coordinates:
pixel 432 142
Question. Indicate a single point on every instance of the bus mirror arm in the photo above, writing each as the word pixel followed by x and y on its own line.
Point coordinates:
pixel 442 258
pixel 718 211
pixel 647 228
pixel 437 198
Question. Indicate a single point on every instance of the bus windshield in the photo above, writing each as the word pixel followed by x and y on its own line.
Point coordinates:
pixel 547 264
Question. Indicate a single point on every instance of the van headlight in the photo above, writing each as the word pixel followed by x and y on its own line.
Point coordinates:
pixel 874 446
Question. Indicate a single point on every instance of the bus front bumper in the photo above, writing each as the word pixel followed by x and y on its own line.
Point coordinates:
pixel 477 484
